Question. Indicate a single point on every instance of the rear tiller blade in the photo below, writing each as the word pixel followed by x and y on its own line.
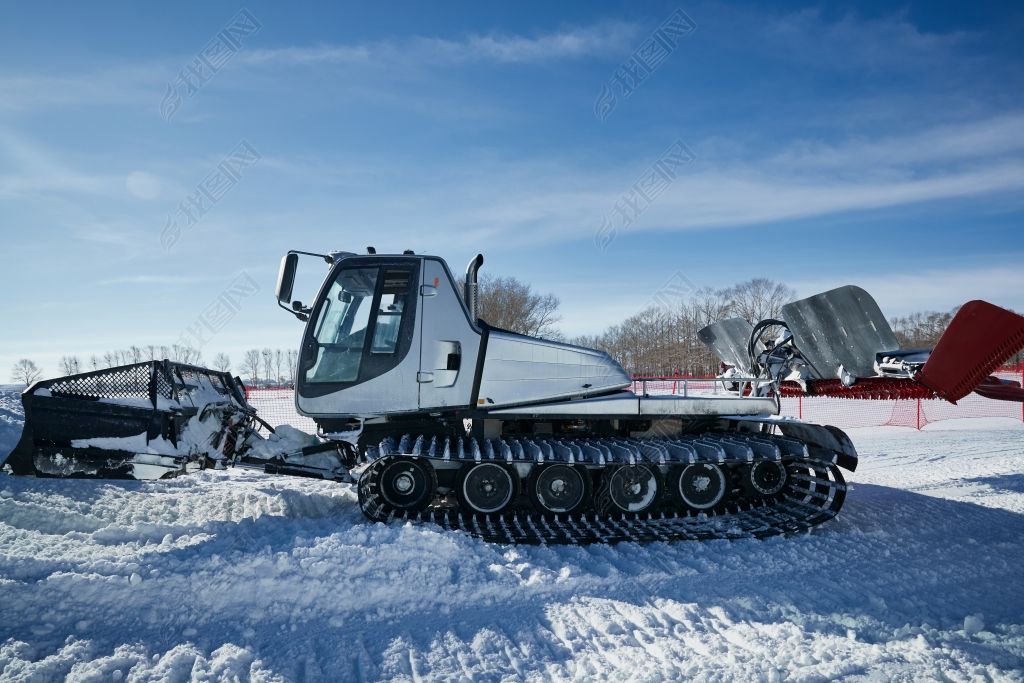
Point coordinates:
pixel 129 422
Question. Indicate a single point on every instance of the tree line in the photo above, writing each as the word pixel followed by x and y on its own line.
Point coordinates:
pixel 262 367
pixel 270 367
pixel 662 338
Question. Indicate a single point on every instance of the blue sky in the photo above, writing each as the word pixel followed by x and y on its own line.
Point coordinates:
pixel 874 144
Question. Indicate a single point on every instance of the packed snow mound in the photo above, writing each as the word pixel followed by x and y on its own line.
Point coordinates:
pixel 12 418
pixel 233 574
pixel 284 439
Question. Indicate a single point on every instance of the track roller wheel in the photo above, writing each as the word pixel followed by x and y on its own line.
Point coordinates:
pixel 634 488
pixel 487 488
pixel 396 485
pixel 764 478
pixel 701 486
pixel 561 489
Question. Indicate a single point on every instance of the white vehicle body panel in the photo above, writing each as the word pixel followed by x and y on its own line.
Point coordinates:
pixel 519 369
pixel 627 404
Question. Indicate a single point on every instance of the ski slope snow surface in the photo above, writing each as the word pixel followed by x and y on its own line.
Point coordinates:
pixel 235 575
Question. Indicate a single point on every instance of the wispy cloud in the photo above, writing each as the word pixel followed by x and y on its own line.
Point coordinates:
pixel 972 159
pixel 606 38
pixel 554 198
pixel 30 169
pixel 851 42
pixel 113 86
pixel 998 136
pixel 140 84
pixel 749 196
pixel 156 280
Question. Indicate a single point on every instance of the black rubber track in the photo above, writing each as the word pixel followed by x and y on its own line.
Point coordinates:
pixel 814 494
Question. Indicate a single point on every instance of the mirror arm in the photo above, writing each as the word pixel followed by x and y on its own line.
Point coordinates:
pixel 302 314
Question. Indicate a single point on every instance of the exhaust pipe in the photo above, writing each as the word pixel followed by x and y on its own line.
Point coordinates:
pixel 470 293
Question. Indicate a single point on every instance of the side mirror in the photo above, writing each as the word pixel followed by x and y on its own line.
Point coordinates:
pixel 286 278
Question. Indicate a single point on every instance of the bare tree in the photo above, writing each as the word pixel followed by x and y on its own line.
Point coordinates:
pixel 292 358
pixel 710 305
pixel 511 304
pixel 192 355
pixel 222 362
pixel 278 365
pixel 759 299
pixel 251 365
pixel 663 340
pixel 70 365
pixel 268 364
pixel 923 329
pixel 134 354
pixel 26 372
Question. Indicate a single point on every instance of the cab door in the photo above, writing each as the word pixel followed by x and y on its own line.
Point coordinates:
pixel 449 344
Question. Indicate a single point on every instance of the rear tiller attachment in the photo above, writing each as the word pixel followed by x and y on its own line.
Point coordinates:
pixel 142 421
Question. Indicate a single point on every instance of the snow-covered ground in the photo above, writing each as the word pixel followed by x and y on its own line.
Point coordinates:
pixel 235 574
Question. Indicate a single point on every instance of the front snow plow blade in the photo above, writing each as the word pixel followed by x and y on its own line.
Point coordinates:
pixel 142 421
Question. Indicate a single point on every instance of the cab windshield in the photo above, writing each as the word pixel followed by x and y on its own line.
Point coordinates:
pixel 358 326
